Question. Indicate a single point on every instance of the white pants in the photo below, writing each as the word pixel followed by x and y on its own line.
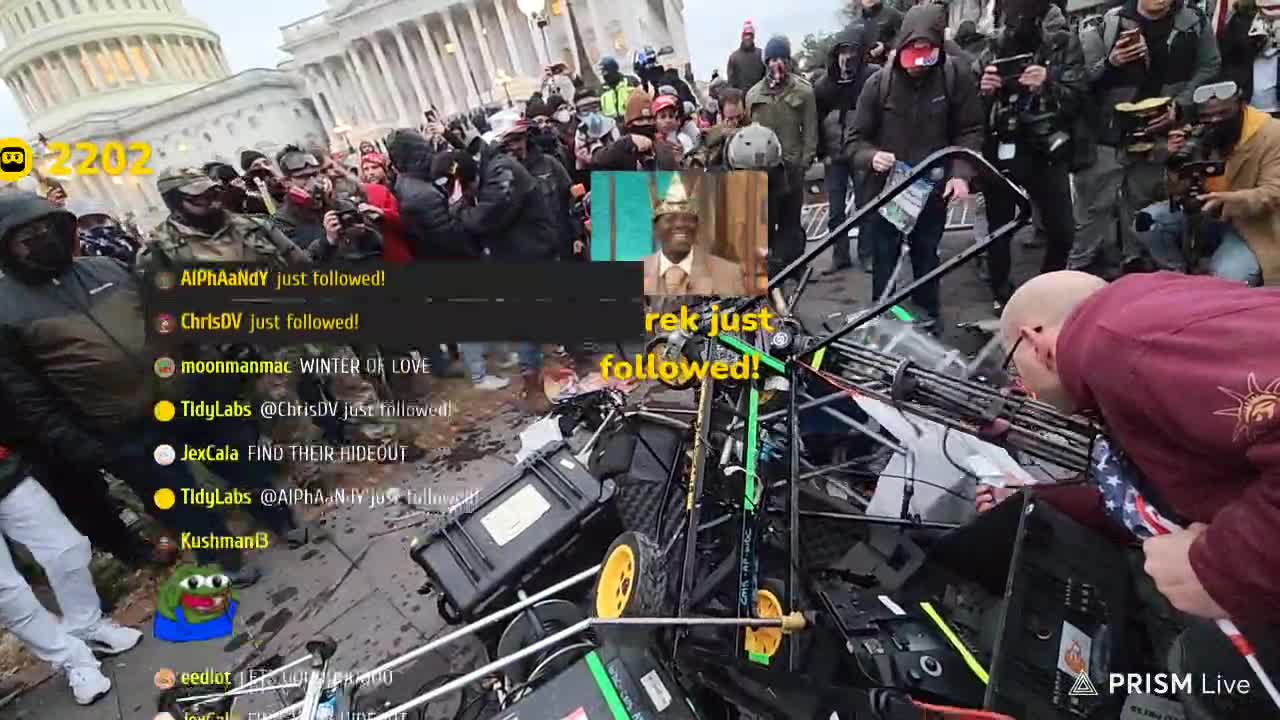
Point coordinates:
pixel 31 517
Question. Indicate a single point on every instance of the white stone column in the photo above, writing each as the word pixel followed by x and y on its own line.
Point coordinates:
pixel 16 88
pixel 328 84
pixel 37 82
pixel 197 47
pixel 339 103
pixel 368 113
pixel 56 87
pixel 486 55
pixel 109 190
pixel 437 66
pixel 313 86
pixel 513 52
pixel 138 71
pixel 163 71
pixel 175 59
pixel 604 43
pixel 380 56
pixel 365 86
pixel 406 57
pixel 675 28
pixel 215 67
pixel 219 59
pixel 451 31
pixel 95 72
pixel 75 72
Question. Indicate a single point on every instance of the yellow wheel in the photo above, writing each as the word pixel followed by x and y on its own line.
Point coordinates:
pixel 617 580
pixel 632 581
pixel 766 640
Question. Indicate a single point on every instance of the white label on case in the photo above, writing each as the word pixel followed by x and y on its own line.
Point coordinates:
pixel 517 514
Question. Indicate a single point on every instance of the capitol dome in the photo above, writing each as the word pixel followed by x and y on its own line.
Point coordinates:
pixel 66 61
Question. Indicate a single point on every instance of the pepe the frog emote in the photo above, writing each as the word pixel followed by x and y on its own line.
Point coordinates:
pixel 194 604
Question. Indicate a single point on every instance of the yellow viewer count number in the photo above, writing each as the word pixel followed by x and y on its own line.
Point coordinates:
pixel 111 158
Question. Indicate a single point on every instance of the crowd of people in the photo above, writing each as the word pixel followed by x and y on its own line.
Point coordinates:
pixel 1113 127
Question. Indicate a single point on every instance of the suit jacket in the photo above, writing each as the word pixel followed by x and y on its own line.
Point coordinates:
pixel 710 275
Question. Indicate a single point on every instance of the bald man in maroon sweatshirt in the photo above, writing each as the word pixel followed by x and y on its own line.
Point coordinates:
pixel 1184 374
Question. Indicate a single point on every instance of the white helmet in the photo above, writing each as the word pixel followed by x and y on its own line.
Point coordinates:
pixel 754 147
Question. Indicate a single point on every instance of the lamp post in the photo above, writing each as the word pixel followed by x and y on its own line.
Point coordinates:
pixel 537 12
pixel 450 49
pixel 504 80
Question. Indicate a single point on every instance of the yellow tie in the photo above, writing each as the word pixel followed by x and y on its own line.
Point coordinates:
pixel 676 280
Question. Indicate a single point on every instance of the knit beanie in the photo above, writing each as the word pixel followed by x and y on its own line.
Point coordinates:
pixel 638 107
pixel 248 157
pixel 536 108
pixel 778 48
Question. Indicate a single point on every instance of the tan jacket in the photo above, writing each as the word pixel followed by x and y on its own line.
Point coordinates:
pixel 711 275
pixel 1254 208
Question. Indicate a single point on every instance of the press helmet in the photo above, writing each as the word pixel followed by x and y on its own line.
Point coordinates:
pixel 754 147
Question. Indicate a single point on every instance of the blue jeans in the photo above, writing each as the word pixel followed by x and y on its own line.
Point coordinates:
pixel 841 184
pixel 1232 260
pixel 473 357
pixel 886 245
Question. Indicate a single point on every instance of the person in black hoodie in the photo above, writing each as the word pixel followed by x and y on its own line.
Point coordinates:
pixel 884 23
pixel 925 101
pixel 429 230
pixel 746 64
pixel 75 365
pixel 836 96
pixel 503 210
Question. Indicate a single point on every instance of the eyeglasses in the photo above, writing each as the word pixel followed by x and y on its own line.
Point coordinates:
pixel 1008 359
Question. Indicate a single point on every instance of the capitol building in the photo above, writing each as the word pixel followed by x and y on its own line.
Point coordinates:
pixel 146 71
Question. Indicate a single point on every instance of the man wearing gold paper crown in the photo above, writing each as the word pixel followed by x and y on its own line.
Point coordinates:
pixel 680 267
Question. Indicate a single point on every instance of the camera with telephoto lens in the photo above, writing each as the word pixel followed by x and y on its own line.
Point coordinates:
pixel 1017 117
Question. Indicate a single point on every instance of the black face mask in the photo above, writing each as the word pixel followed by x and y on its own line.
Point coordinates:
pixel 649 131
pixel 612 77
pixel 1021 35
pixel 1225 134
pixel 50 252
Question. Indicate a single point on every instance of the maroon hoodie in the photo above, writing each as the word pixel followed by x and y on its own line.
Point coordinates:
pixel 1185 374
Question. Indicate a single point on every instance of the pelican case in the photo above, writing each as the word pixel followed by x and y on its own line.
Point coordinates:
pixel 616 680
pixel 519 530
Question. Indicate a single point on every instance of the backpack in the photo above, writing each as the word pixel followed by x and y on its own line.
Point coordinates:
pixel 950 76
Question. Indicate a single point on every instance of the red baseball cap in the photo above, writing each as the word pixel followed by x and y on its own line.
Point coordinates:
pixel 919 56
pixel 663 102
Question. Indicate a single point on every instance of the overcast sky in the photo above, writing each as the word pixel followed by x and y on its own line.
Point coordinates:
pixel 250 31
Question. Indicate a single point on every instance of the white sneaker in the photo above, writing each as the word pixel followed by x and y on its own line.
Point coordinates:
pixel 88 684
pixel 489 382
pixel 107 638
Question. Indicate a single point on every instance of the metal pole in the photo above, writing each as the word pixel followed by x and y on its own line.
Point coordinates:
pixel 875 520
pixel 455 635
pixel 397 712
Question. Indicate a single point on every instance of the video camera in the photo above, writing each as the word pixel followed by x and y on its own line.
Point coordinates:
pixel 1194 164
pixel 1133 119
pixel 1016 117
